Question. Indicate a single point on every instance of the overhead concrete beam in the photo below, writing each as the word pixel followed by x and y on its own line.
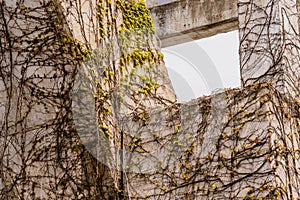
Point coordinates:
pixel 186 20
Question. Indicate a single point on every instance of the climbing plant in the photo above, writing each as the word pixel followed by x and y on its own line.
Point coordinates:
pixel 68 64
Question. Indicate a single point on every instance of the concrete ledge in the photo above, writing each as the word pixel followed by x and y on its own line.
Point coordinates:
pixel 186 20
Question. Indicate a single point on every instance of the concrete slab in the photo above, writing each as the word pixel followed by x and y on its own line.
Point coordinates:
pixel 186 20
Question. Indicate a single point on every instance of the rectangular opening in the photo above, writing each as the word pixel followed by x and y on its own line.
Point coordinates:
pixel 204 66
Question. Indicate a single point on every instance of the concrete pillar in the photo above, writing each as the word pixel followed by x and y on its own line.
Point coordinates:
pixel 269 43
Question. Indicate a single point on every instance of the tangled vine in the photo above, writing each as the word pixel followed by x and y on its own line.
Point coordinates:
pixel 238 144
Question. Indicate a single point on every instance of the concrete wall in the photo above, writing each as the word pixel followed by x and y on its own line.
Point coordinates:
pixel 236 144
pixel 224 146
pixel 269 44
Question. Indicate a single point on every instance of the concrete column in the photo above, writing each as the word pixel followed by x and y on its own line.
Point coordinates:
pixel 269 43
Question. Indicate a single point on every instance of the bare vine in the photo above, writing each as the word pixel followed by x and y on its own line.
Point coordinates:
pixel 239 144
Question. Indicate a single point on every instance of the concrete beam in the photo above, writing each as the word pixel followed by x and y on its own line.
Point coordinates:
pixel 186 20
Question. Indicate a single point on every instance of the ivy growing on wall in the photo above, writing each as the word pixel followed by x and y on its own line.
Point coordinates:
pixel 238 144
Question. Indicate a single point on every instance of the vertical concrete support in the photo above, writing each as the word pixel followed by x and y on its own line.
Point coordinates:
pixel 42 46
pixel 269 44
pixel 125 74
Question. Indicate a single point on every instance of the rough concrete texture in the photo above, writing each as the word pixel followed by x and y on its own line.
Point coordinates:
pixel 187 20
pixel 269 41
pixel 226 146
pixel 238 144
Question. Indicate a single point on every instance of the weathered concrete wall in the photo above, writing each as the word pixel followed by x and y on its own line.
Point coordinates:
pixel 186 20
pixel 33 105
pixel 232 145
pixel 241 143
pixel 269 44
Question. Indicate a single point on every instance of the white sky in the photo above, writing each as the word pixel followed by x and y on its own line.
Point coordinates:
pixel 201 67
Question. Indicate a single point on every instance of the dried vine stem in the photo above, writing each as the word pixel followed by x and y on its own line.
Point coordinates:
pixel 239 144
